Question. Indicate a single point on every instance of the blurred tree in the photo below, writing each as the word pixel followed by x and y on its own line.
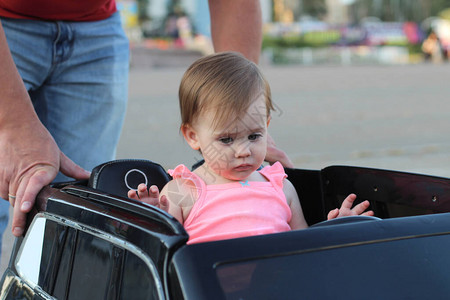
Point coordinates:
pixel 298 8
pixel 397 10
pixel 174 11
pixel 437 5
pixel 174 6
pixel 314 8
pixel 143 11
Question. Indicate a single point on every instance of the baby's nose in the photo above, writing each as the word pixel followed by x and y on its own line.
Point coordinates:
pixel 242 150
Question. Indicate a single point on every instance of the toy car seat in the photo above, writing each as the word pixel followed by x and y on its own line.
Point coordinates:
pixel 119 176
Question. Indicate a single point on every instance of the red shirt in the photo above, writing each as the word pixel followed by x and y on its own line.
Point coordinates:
pixel 61 10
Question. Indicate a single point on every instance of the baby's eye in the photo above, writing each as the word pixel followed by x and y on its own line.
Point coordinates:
pixel 226 140
pixel 254 136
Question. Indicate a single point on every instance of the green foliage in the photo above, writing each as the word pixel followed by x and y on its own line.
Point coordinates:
pixel 310 39
pixel 315 8
pixel 398 10
pixel 438 5
pixel 142 10
pixel 279 44
pixel 414 49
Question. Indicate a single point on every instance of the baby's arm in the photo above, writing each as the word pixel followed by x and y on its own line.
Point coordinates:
pixel 347 210
pixel 298 219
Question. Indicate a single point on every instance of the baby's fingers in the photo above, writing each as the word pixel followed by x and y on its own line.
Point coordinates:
pixel 348 202
pixel 132 194
pixel 368 213
pixel 142 191
pixel 153 192
pixel 150 196
pixel 360 208
pixel 333 214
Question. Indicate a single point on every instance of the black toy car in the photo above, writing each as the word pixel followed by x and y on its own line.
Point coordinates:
pixel 86 240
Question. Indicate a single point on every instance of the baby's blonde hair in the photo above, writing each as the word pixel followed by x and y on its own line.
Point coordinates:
pixel 226 82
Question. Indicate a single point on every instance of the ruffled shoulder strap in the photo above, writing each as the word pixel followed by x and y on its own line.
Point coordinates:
pixel 275 173
pixel 182 172
pixel 199 189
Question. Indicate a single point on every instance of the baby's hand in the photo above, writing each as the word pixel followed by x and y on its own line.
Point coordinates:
pixel 150 196
pixel 347 210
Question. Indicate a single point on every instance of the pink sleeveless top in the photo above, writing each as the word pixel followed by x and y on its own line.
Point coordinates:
pixel 237 209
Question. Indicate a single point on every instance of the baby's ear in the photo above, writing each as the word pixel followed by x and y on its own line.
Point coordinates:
pixel 190 135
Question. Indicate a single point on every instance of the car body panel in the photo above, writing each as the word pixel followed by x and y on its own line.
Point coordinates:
pixel 87 243
pixel 81 218
pixel 296 264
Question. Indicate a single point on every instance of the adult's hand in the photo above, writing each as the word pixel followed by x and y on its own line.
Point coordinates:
pixel 275 154
pixel 29 160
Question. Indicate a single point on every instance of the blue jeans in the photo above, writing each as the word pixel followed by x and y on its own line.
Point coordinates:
pixel 4 209
pixel 77 76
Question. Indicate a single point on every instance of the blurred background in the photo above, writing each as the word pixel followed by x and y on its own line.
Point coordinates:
pixel 351 80
pixel 355 82
pixel 303 31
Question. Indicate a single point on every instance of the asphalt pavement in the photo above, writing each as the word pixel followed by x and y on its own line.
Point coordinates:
pixel 394 117
pixel 389 117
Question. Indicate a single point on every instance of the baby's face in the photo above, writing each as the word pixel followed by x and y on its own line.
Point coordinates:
pixel 236 150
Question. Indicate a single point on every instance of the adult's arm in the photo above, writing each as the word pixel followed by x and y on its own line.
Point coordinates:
pixel 236 25
pixel 29 156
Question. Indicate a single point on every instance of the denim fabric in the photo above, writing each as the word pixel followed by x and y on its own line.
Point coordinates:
pixel 4 216
pixel 77 76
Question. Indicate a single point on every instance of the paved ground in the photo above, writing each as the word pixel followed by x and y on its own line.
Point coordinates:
pixel 392 117
pixel 395 117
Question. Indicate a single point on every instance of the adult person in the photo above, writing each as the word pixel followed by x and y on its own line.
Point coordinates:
pixel 62 57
